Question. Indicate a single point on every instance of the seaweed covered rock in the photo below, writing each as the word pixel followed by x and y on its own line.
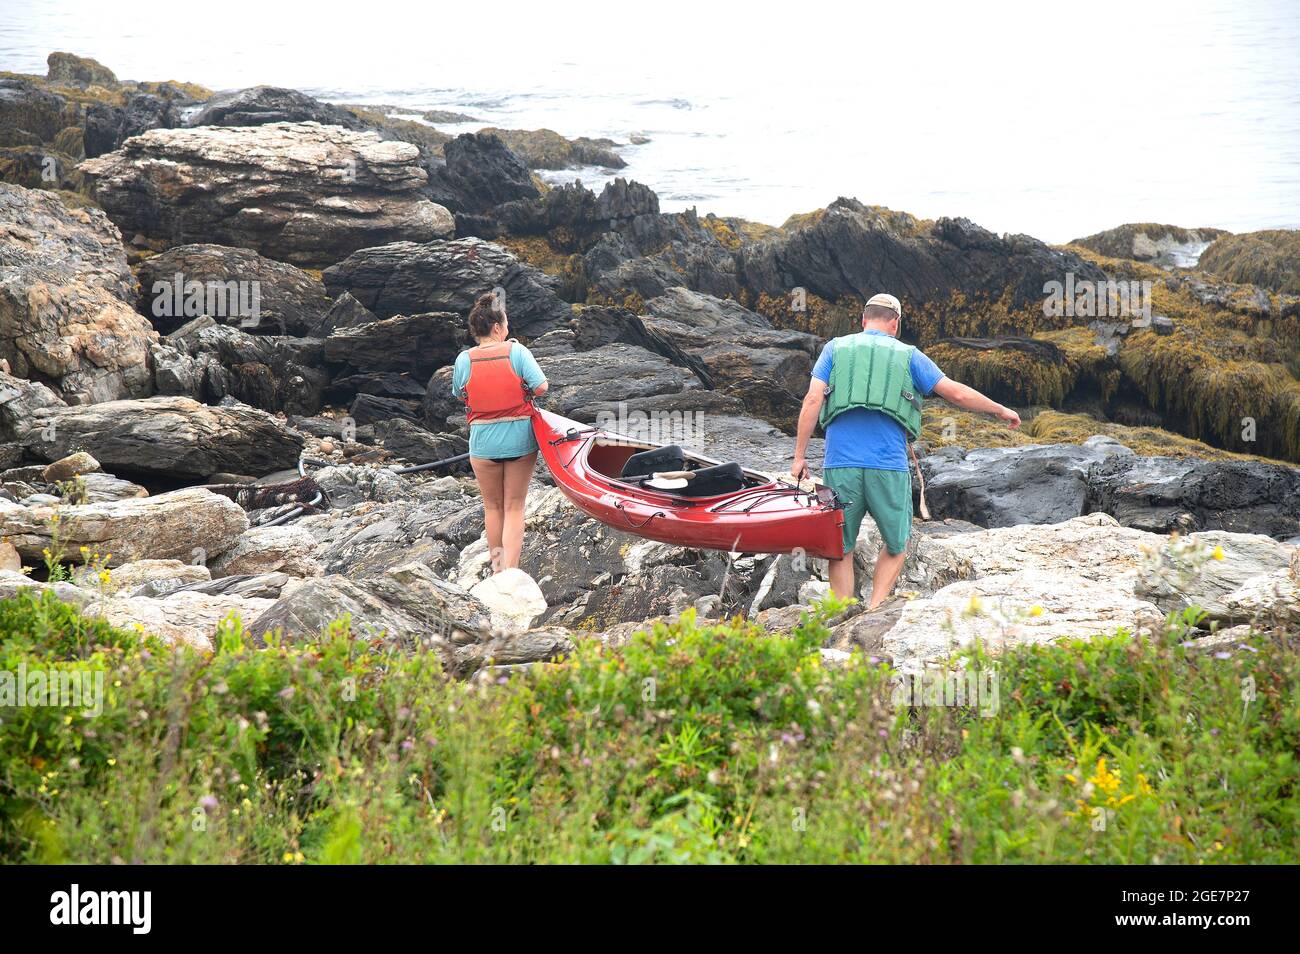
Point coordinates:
pixel 547 149
pixel 1270 258
pixel 67 313
pixel 232 286
pixel 1150 242
pixel 407 278
pixel 30 114
pixel 299 192
pixel 950 274
pixel 73 70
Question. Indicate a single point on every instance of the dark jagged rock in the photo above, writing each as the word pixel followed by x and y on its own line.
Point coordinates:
pixel 369 409
pixel 416 344
pixel 108 126
pixel 768 368
pixel 298 192
pixel 479 172
pixel 287 300
pixel 166 435
pixel 259 105
pixel 379 383
pixel 209 362
pixel 413 444
pixel 853 250
pixel 1007 486
pixel 1161 494
pixel 67 312
pixel 616 372
pixel 439 404
pixel 597 326
pixel 345 312
pixel 406 278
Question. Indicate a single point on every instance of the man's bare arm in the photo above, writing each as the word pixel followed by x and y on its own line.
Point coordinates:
pixel 967 398
pixel 812 406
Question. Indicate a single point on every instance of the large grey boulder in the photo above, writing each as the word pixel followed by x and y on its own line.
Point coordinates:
pixel 1165 493
pixel 258 294
pixel 166 435
pixel 1005 486
pixel 298 192
pixel 407 278
pixel 192 524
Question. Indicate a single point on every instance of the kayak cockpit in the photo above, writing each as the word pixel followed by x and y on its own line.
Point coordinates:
pixel 668 469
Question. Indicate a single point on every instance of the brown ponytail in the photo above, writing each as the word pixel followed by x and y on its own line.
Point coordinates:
pixel 486 314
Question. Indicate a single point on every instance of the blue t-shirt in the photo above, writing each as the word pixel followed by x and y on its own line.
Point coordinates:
pixel 863 438
pixel 502 438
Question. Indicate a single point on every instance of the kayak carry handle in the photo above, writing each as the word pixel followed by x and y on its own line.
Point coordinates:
pixel 628 517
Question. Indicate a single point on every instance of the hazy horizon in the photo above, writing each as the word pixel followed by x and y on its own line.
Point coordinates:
pixel 1055 122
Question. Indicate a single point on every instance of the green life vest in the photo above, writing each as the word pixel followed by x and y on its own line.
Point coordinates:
pixel 873 372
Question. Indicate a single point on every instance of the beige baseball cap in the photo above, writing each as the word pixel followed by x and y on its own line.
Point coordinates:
pixel 889 301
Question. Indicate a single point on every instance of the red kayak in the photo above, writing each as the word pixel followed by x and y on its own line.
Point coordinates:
pixel 713 505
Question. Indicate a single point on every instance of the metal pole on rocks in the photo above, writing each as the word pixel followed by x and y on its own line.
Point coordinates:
pixel 431 465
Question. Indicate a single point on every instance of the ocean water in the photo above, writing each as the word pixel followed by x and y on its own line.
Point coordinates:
pixel 1049 119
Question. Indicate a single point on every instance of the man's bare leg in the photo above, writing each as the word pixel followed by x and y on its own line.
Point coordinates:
pixel 888 566
pixel 841 574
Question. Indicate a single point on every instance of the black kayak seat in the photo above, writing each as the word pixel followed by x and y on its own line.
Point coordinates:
pixel 655 460
pixel 711 481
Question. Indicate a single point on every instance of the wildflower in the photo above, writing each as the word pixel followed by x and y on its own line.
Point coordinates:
pixel 1218 553
pixel 1105 779
pixel 1035 610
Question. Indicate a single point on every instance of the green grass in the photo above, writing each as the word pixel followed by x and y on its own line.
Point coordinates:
pixel 690 744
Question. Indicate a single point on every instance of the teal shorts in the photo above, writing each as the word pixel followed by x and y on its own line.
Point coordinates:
pixel 885 494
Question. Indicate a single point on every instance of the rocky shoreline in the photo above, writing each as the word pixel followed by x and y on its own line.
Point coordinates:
pixel 227 321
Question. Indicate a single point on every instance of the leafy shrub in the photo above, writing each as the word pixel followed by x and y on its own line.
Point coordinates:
pixel 690 743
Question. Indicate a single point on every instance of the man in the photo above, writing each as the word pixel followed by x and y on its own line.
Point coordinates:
pixel 867 390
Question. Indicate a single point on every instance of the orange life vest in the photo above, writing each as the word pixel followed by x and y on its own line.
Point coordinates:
pixel 494 392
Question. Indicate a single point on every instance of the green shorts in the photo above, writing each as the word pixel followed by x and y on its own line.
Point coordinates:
pixel 885 494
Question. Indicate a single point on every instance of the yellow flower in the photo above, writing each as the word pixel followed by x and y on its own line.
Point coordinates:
pixel 1105 779
pixel 1035 610
pixel 1218 553
pixel 1071 778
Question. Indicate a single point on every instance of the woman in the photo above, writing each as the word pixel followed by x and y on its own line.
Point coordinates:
pixel 496 380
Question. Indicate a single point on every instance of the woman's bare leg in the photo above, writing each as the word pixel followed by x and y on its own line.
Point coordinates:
pixel 518 474
pixel 491 483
